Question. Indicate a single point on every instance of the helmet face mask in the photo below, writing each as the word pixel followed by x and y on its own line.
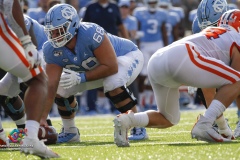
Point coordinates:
pixel 230 20
pixel 61 24
pixel 210 11
pixel 62 38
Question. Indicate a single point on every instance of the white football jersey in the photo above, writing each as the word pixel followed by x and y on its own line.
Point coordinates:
pixel 214 42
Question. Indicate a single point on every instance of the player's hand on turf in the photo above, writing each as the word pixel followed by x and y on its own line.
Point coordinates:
pixel 31 52
pixel 70 78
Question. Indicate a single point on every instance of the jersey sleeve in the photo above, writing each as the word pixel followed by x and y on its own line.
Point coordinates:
pixel 28 22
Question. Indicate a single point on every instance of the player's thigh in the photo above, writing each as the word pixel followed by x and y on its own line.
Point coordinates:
pixel 167 100
pixel 194 69
pixel 129 67
pixel 182 64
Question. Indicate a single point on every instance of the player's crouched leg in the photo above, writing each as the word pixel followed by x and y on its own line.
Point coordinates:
pixel 67 108
pixel 124 101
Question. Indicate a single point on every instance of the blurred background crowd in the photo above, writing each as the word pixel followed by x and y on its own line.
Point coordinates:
pixel 124 19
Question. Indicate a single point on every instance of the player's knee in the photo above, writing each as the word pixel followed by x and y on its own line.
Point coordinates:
pixel 39 80
pixel 123 101
pixel 64 106
pixel 14 107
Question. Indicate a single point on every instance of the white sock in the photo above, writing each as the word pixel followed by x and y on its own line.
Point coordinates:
pixel 221 122
pixel 141 119
pixel 215 109
pixel 21 121
pixel 32 129
pixel 68 123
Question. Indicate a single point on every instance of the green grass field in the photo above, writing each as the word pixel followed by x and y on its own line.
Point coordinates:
pixel 174 143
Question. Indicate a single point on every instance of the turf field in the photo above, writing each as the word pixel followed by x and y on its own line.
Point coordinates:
pixel 168 144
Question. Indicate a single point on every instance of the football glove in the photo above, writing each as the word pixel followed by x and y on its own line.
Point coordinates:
pixel 71 78
pixel 31 53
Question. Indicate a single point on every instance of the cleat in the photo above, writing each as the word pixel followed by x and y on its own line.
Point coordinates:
pixel 215 127
pixel 121 126
pixel 138 134
pixel 237 130
pixel 4 142
pixel 37 148
pixel 72 135
pixel 204 131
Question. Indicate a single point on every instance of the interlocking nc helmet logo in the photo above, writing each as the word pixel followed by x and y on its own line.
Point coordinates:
pixel 68 13
pixel 219 6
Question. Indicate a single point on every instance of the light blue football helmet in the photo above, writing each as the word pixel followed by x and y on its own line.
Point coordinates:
pixel 195 26
pixel 63 17
pixel 209 12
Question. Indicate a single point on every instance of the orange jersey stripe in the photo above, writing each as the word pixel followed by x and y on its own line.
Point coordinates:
pixel 15 49
pixel 219 65
pixel 9 31
pixel 33 72
pixel 211 69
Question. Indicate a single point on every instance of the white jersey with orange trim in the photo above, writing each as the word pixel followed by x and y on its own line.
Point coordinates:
pixel 12 55
pixel 215 42
pixel 201 60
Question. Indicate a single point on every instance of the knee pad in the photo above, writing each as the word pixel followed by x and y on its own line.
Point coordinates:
pixel 122 96
pixel 8 105
pixel 65 102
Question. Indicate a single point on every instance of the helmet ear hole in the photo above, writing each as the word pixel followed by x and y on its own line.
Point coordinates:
pixel 62 17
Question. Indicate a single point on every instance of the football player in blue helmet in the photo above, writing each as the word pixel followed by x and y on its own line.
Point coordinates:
pixel 67 23
pixel 195 26
pixel 94 58
pixel 208 14
pixel 210 11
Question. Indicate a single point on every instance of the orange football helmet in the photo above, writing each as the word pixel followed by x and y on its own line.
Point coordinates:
pixel 230 20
